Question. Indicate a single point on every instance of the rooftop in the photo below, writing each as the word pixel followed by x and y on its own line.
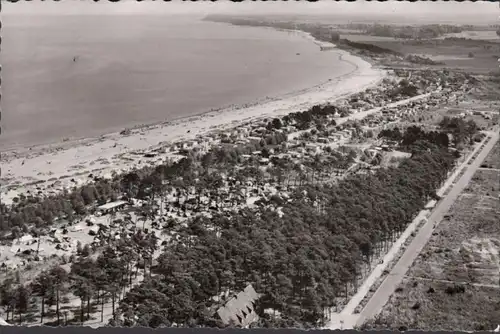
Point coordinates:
pixel 111 205
pixel 240 309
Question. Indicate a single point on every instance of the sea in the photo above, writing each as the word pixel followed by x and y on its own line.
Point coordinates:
pixel 76 76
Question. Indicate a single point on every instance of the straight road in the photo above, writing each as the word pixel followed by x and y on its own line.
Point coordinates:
pixel 453 177
pixel 383 293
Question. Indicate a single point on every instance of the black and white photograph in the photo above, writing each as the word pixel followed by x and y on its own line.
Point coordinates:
pixel 255 164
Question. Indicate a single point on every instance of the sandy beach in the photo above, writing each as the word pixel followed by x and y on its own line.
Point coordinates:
pixel 67 164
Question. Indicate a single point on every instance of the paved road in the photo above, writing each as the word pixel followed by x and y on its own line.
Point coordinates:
pixel 381 296
pixel 447 186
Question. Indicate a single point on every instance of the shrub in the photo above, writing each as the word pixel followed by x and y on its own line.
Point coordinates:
pixel 451 290
pixel 125 132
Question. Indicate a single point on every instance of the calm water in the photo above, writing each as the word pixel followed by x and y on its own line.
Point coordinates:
pixel 140 69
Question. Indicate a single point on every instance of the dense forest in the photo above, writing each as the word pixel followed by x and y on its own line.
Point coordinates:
pixel 369 47
pixel 304 261
pixel 304 258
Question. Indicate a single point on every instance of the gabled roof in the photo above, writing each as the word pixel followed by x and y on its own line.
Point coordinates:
pixel 4 323
pixel 240 309
pixel 111 205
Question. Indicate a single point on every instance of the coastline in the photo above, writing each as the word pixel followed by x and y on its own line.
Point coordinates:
pixel 32 166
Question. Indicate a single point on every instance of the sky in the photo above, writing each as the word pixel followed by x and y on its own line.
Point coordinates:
pixel 486 12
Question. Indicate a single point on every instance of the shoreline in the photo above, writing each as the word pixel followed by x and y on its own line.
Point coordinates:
pixel 60 161
pixel 20 150
pixel 17 151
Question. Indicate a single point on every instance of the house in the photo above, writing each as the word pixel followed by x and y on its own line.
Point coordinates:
pixel 323 140
pixel 240 310
pixel 264 161
pixel 312 146
pixel 25 239
pixel 254 139
pixel 349 132
pixel 260 130
pixel 111 207
pixel 336 136
pixel 292 143
pixel 344 134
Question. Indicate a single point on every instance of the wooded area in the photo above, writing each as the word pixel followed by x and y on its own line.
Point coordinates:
pixel 304 259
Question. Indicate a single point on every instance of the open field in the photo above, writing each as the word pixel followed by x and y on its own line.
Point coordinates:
pixel 454 283
pixel 489 35
pixel 493 160
pixel 430 305
pixel 485 183
pixel 477 56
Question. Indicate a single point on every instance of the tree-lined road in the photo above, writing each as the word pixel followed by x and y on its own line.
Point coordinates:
pixel 383 293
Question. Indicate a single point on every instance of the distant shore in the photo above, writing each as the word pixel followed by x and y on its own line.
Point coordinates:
pixel 63 161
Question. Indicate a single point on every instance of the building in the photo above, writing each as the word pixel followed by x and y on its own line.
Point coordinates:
pixel 240 310
pixel 111 207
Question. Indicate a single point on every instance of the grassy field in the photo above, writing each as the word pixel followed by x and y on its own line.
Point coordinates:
pixel 478 56
pixel 490 35
pixel 454 284
pixel 440 306
pixel 493 160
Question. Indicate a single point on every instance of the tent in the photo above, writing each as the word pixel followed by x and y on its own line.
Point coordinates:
pixel 4 323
